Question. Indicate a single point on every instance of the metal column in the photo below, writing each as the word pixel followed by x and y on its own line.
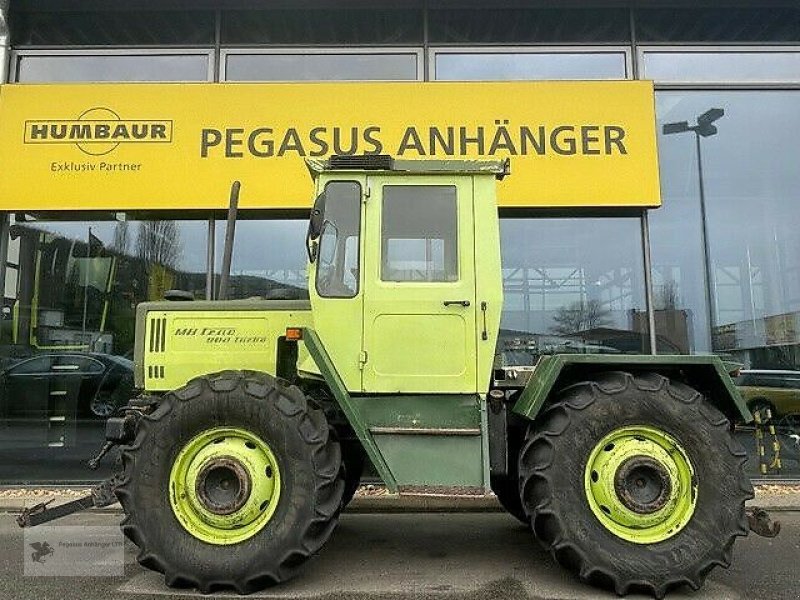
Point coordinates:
pixel 648 282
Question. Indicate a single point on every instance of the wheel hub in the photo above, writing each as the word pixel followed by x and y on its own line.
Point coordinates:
pixel 640 484
pixel 224 485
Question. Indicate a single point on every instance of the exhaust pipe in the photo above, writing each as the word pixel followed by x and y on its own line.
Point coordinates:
pixel 230 231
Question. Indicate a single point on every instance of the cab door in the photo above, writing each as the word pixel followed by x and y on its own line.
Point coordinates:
pixel 419 286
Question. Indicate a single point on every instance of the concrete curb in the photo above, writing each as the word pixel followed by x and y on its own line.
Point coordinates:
pixel 376 503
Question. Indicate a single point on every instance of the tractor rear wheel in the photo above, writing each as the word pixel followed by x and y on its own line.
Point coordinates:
pixel 233 481
pixel 635 483
pixel 506 487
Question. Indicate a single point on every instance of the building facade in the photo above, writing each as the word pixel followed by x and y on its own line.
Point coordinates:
pixel 722 273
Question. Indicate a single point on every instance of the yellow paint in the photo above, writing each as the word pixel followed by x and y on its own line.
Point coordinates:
pixel 339 321
pixel 136 146
pixel 201 342
pixel 414 342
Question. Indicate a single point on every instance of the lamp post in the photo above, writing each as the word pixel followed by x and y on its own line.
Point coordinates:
pixel 702 129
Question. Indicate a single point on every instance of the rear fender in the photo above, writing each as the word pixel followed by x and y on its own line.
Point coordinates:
pixel 707 374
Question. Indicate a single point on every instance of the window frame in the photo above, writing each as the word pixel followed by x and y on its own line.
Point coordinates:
pixel 595 49
pixel 225 53
pixel 360 230
pixel 716 84
pixel 95 51
pixel 384 242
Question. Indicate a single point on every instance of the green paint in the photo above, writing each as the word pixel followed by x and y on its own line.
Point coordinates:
pixel 254 456
pixel 605 460
pixel 436 439
pixel 454 411
pixel 433 460
pixel 337 387
pixel 410 457
pixel 705 373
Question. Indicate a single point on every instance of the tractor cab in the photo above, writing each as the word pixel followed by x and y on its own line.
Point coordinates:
pixel 404 273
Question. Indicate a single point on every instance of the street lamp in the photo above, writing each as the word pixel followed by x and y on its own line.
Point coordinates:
pixel 704 128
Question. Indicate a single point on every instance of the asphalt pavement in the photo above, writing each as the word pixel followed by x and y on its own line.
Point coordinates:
pixel 442 556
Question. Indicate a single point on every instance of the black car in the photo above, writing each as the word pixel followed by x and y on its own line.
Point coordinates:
pixel 64 386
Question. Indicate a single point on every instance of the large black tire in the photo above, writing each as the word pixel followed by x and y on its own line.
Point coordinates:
pixel 554 457
pixel 506 489
pixel 311 482
pixel 354 459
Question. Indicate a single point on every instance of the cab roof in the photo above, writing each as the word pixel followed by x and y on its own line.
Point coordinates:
pixel 383 163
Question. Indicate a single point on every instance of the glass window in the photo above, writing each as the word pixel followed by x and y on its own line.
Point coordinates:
pixel 67 332
pixel 572 286
pixel 477 66
pixel 75 363
pixel 40 364
pixel 269 258
pixel 112 27
pixel 718 24
pixel 723 66
pixel 338 26
pixel 747 168
pixel 528 26
pixel 321 67
pixel 36 68
pixel 419 233
pixel 337 256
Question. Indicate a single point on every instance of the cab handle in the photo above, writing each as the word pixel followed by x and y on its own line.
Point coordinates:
pixel 463 303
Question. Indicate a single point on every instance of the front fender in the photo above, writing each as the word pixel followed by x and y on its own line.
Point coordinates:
pixel 707 374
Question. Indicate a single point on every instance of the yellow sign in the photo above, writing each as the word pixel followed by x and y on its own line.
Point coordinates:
pixel 179 146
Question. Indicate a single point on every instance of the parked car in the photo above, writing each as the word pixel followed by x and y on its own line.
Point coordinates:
pixel 774 389
pixel 72 385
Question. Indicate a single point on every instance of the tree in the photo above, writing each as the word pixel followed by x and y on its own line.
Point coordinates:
pixel 668 297
pixel 121 238
pixel 159 243
pixel 159 250
pixel 580 316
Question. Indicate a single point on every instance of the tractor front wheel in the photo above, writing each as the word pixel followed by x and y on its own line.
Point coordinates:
pixel 507 491
pixel 635 483
pixel 232 482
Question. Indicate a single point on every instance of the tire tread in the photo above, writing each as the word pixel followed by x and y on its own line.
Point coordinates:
pixel 536 479
pixel 312 427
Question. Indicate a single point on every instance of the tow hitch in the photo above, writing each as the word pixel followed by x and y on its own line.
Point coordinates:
pixel 761 523
pixel 101 495
pixel 120 429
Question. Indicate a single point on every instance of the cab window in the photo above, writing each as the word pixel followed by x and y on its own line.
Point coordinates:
pixel 338 257
pixel 419 233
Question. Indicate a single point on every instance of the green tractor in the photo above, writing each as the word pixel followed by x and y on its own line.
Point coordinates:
pixel 257 417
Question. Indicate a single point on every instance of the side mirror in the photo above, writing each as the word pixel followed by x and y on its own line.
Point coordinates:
pixel 317 217
pixel 311 248
pixel 315 223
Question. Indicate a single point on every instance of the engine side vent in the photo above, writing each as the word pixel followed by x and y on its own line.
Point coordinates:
pixel 155 371
pixel 158 334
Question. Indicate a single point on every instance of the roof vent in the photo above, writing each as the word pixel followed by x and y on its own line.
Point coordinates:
pixel 362 162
